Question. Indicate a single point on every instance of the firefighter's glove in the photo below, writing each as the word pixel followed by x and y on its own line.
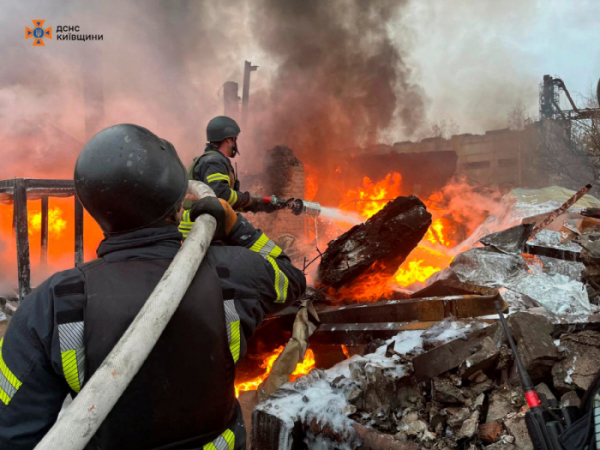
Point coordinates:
pixel 220 210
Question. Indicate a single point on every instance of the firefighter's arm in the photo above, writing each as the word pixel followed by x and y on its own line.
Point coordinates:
pixel 278 281
pixel 31 390
pixel 215 174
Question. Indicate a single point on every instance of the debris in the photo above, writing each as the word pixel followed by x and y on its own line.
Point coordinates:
pixel 558 294
pixel 449 356
pixel 570 399
pixel 582 362
pixel 386 238
pixel 485 358
pixel 550 243
pixel 511 241
pixel 500 405
pixel 534 343
pixel 489 432
pixel 483 267
pixel 518 429
pixel 444 391
pixel 557 212
pixel 469 426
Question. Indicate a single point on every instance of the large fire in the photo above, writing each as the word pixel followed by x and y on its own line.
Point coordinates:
pixel 430 256
pixel 61 239
pixel 302 368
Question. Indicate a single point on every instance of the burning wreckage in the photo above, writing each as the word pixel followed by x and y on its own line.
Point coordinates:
pixel 370 364
pixel 430 366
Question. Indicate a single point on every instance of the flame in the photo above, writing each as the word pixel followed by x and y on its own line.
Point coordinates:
pixel 302 368
pixel 429 257
pixel 61 242
pixel 346 352
pixel 369 199
pixel 435 233
pixel 56 223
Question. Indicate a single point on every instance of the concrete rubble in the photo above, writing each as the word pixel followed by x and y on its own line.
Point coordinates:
pixel 454 384
pixel 479 408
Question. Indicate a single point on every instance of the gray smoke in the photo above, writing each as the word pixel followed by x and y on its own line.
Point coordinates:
pixel 340 81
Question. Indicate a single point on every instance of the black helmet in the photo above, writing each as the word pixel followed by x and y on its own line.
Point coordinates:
pixel 220 128
pixel 128 178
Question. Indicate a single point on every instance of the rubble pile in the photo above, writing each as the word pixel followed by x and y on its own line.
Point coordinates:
pixel 472 401
pixel 453 383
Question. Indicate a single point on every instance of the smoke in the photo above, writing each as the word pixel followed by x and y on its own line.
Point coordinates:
pixel 340 80
pixel 160 65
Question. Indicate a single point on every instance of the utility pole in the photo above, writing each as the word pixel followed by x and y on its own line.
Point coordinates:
pixel 248 67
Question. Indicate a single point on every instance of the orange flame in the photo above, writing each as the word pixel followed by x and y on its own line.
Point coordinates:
pixel 369 199
pixel 428 258
pixel 302 368
pixel 346 352
pixel 56 223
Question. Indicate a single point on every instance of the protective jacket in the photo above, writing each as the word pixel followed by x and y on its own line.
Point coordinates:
pixel 215 169
pixel 183 396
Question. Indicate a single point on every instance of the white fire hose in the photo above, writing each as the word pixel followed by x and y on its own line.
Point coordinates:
pixel 82 418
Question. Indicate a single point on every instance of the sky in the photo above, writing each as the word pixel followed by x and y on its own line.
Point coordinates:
pixel 474 59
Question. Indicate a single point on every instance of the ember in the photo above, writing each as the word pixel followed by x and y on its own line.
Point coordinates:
pixel 302 368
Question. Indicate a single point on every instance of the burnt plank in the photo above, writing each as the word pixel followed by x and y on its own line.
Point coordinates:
pixel 44 233
pixel 22 236
pixel 422 309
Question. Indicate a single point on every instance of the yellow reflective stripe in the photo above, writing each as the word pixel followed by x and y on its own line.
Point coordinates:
pixel 275 252
pixel 232 198
pixel 9 383
pixel 281 282
pixel 217 177
pixel 229 438
pixel 69 363
pixel 266 247
pixel 4 397
pixel 185 226
pixel 234 344
pixel 260 243
pixel 224 442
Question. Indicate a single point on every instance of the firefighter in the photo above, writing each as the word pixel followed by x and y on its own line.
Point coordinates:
pixel 133 183
pixel 214 167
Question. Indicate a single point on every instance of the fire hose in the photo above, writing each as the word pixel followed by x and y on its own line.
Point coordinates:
pixel 80 420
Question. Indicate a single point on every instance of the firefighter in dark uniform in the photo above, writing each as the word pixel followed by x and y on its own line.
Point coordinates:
pixel 214 167
pixel 133 184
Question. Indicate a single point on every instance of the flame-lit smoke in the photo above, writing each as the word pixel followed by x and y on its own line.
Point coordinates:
pixel 302 368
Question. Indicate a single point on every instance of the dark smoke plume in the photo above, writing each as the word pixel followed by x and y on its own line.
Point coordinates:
pixel 340 81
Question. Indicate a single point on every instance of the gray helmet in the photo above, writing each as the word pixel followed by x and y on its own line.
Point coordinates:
pixel 220 128
pixel 128 178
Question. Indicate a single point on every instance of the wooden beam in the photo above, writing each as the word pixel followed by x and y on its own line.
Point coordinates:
pixel 428 309
pixel 22 235
pixel 44 233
